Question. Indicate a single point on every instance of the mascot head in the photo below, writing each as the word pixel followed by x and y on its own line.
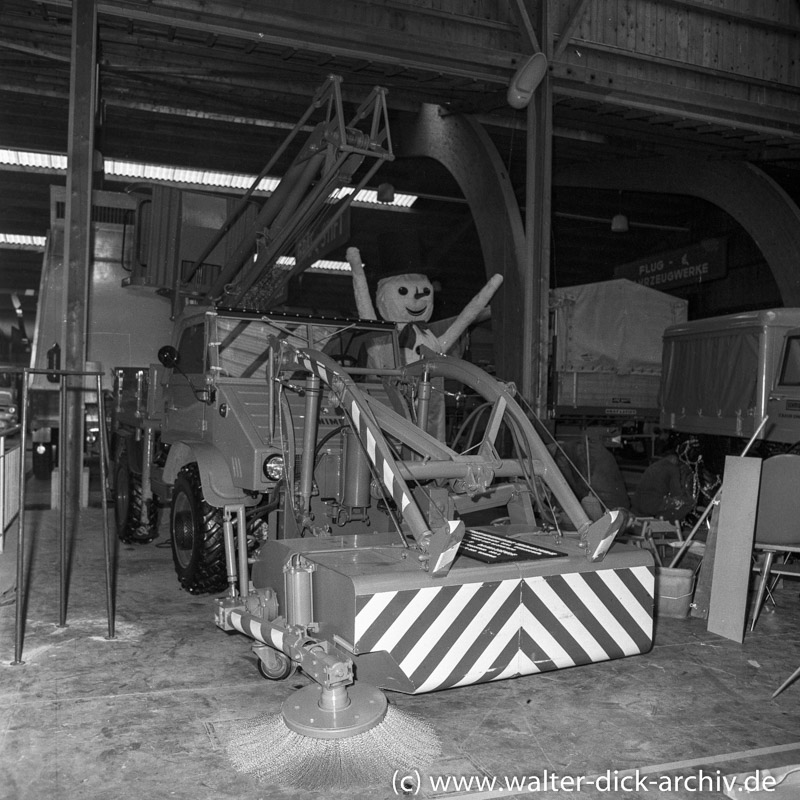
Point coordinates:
pixel 405 298
pixel 403 294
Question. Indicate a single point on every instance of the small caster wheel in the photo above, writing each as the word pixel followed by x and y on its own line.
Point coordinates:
pixel 279 668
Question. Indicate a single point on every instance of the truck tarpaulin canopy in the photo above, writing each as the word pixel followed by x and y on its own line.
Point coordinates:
pixel 614 326
pixel 718 373
pixel 730 390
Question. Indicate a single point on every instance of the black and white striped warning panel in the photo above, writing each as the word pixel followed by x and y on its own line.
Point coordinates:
pixel 457 635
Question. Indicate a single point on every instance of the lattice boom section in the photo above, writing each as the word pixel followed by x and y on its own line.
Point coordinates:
pixel 476 632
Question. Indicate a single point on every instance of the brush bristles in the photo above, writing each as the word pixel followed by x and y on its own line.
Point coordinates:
pixel 265 748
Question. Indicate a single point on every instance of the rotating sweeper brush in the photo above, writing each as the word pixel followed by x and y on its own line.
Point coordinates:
pixel 333 738
pixel 332 733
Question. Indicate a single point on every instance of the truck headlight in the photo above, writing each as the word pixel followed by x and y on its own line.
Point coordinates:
pixel 273 468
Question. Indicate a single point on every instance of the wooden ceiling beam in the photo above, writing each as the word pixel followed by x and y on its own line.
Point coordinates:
pixel 300 73
pixel 572 23
pixel 750 20
pixel 524 17
pixel 622 128
pixel 34 50
pixel 683 66
pixel 633 93
pixel 319 31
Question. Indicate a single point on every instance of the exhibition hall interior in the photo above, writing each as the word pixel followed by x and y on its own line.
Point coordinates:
pixel 399 398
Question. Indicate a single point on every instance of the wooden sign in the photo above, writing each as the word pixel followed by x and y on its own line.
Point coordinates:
pixel 696 263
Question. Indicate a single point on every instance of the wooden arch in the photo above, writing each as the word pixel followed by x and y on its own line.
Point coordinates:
pixel 745 192
pixel 461 145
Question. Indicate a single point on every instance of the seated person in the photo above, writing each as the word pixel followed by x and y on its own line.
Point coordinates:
pixel 665 490
pixel 587 462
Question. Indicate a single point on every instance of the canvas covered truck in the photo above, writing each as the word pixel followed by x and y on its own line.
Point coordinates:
pixel 605 370
pixel 722 376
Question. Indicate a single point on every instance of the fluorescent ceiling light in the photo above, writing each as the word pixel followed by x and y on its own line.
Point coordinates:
pixel 192 177
pixel 371 196
pixel 22 158
pixel 155 172
pixel 20 242
pixel 323 265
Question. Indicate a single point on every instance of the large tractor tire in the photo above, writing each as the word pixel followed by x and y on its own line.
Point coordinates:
pixel 198 547
pixel 134 526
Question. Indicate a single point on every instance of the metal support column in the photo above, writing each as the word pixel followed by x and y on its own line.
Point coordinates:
pixel 65 445
pixel 19 618
pixel 104 460
pixel 536 275
pixel 77 245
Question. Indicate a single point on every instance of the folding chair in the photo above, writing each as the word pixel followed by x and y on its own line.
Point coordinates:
pixel 777 525
pixel 653 534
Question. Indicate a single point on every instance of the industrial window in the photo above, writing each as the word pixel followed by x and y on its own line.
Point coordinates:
pixel 790 371
pixel 191 350
pixel 243 349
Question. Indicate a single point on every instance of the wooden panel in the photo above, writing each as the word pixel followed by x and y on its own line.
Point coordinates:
pixel 746 51
pixel 737 518
pixel 742 52
pixel 396 32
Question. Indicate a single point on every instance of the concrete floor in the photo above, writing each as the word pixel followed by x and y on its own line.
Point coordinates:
pixel 145 715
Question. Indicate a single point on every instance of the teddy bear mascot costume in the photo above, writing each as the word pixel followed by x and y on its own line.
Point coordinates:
pixel 405 296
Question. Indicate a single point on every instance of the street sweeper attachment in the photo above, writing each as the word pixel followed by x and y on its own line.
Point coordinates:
pixel 333 732
pixel 395 561
pixel 324 739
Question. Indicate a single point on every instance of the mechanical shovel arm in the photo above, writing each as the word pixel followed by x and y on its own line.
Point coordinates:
pixel 596 537
pixel 438 548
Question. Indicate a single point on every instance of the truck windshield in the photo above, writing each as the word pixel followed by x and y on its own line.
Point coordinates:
pixel 243 352
pixel 790 370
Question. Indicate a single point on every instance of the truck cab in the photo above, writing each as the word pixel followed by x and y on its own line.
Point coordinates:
pixel 215 426
pixel 219 395
pixel 783 405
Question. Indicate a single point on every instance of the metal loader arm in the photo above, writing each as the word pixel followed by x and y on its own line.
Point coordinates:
pixel 357 409
pixel 505 406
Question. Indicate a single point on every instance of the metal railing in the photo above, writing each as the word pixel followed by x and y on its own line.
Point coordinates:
pixel 11 460
pixel 21 588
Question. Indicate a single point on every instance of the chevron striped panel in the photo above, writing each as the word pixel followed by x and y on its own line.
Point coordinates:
pixel 458 635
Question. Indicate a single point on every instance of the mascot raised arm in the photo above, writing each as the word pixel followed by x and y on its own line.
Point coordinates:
pixel 405 296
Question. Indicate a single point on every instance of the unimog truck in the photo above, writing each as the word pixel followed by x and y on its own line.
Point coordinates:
pixel 303 483
pixel 211 429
